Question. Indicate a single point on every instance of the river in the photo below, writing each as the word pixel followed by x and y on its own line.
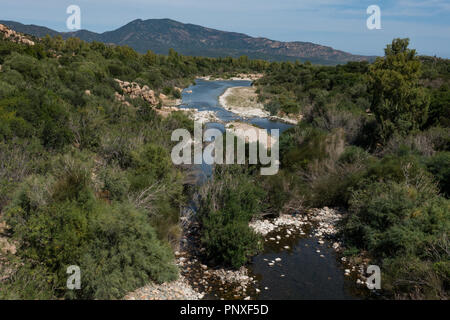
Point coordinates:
pixel 302 273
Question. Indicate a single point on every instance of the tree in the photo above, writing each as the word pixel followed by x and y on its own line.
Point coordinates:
pixel 399 103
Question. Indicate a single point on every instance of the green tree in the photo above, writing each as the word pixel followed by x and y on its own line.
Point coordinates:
pixel 399 103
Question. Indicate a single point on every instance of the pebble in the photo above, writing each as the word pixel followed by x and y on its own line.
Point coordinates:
pixel 176 290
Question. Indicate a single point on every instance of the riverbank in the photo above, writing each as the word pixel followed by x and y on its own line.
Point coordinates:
pixel 241 129
pixel 176 290
pixel 239 77
pixel 243 101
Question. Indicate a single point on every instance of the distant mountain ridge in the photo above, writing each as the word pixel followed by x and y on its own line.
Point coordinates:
pixel 159 35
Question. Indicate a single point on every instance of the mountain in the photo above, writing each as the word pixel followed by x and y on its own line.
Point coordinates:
pixel 159 35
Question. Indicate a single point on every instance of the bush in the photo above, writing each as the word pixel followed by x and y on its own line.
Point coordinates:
pixel 439 166
pixel 123 254
pixel 150 163
pixel 227 206
pixel 391 219
pixel 26 65
pixel 59 223
pixel 230 244
pixel 116 184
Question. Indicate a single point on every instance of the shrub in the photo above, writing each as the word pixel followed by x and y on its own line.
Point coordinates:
pixel 123 254
pixel 439 166
pixel 390 219
pixel 150 163
pixel 26 65
pixel 227 206
pixel 228 243
pixel 114 245
pixel 115 183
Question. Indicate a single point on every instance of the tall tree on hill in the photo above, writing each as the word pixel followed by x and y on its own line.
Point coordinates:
pixel 399 103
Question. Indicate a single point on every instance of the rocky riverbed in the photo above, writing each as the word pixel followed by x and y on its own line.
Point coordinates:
pixel 200 281
pixel 320 224
pixel 176 290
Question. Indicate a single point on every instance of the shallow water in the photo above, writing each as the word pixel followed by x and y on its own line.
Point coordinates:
pixel 302 274
pixel 205 97
pixel 306 275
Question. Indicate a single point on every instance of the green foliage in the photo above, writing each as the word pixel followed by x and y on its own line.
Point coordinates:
pixel 87 180
pixel 115 183
pixel 150 163
pixel 60 223
pixel 439 166
pixel 382 168
pixel 398 101
pixel 13 126
pixel 439 111
pixel 123 254
pixel 399 224
pixel 227 205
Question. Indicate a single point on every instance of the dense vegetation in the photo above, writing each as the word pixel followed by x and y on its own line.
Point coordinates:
pixel 374 141
pixel 87 180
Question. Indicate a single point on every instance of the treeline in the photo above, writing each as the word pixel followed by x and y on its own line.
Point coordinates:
pixel 375 142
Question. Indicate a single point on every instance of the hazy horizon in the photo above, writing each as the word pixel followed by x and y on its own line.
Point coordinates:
pixel 338 24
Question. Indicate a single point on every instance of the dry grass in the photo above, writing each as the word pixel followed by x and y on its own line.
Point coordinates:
pixel 243 97
pixel 243 101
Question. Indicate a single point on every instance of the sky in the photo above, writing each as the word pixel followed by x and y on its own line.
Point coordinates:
pixel 340 24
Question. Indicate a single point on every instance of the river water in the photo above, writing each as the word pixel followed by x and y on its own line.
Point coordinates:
pixel 302 273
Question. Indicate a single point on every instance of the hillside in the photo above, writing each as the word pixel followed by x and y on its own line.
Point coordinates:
pixel 159 35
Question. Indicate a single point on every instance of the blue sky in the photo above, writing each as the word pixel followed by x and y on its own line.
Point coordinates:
pixel 337 23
